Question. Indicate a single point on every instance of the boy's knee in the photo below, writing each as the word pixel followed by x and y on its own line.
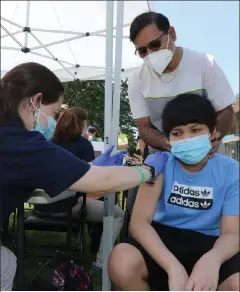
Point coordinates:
pixel 231 283
pixel 8 268
pixel 124 262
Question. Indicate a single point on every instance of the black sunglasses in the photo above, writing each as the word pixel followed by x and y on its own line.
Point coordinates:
pixel 154 45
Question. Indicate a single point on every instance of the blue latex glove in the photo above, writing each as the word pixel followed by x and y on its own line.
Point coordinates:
pixel 106 159
pixel 158 161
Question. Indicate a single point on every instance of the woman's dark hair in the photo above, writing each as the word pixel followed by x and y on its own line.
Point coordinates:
pixel 70 125
pixel 23 82
pixel 188 108
pixel 148 18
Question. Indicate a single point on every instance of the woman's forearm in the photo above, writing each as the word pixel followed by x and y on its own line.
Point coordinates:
pixel 226 246
pixel 109 179
pixel 145 234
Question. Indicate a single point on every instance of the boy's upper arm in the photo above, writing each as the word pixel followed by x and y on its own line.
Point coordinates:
pixel 231 200
pixel 147 199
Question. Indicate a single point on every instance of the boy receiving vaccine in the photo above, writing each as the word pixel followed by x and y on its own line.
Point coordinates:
pixel 184 228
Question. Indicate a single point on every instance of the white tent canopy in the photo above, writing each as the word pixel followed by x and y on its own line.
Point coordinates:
pixel 66 36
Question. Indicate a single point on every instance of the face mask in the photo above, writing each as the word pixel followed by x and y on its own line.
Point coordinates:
pixel 51 124
pixel 193 150
pixel 49 131
pixel 158 61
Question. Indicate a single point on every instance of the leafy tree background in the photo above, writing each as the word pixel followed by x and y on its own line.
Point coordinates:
pixel 90 96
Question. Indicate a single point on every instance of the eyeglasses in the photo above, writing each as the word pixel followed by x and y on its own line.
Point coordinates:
pixel 154 45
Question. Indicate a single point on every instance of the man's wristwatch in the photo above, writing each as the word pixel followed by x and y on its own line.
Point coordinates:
pixel 151 171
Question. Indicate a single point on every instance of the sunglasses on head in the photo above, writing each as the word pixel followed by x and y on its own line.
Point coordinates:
pixel 154 45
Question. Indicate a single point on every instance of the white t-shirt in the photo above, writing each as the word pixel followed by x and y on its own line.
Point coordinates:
pixel 197 72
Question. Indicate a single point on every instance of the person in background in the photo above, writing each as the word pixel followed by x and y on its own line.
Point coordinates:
pixel 69 135
pixel 64 107
pixel 185 228
pixel 122 140
pixel 167 71
pixel 93 134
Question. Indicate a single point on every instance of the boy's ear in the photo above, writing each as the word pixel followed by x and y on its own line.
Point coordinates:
pixel 215 135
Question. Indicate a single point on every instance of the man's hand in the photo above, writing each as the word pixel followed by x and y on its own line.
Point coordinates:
pixel 205 274
pixel 177 278
pixel 215 143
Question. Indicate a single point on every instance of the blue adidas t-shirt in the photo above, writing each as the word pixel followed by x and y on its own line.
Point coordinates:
pixel 196 201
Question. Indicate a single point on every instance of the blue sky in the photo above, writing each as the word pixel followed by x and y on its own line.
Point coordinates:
pixel 208 26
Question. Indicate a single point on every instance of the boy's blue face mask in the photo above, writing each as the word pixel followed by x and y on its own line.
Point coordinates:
pixel 192 150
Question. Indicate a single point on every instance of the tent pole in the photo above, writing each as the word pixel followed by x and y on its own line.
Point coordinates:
pixel 108 199
pixel 117 73
pixel 27 23
pixel 13 33
pixel 12 22
pixel 9 33
pixel 51 54
pixel 97 33
pixel 73 32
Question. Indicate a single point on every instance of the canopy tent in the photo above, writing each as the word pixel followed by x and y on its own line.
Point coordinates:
pixel 74 46
pixel 68 37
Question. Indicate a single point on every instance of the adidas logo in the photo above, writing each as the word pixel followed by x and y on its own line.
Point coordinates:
pixel 192 191
pixel 205 205
pixel 205 193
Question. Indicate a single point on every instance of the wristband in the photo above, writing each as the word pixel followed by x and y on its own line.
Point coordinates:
pixel 141 173
pixel 151 171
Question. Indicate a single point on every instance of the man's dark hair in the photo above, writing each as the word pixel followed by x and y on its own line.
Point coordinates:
pixel 188 108
pixel 146 19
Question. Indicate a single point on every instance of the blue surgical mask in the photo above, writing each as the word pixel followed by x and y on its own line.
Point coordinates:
pixel 192 150
pixel 49 131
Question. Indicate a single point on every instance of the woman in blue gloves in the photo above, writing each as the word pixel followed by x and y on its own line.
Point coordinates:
pixel 69 134
pixel 28 161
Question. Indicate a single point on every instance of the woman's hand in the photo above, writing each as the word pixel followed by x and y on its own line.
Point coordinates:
pixel 157 161
pixel 106 159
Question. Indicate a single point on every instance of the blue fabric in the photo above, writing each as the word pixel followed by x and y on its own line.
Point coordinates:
pixel 81 148
pixel 196 201
pixel 28 161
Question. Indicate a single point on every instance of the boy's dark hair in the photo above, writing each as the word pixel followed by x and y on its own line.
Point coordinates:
pixel 145 19
pixel 188 108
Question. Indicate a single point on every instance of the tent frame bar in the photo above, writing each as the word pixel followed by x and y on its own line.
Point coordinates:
pixel 27 23
pixel 13 37
pixel 51 54
pixel 12 33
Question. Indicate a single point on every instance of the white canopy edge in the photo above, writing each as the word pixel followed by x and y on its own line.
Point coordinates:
pixel 66 46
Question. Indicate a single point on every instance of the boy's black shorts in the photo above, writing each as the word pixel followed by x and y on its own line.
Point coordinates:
pixel 188 247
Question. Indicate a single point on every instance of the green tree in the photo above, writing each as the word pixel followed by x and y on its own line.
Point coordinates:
pixel 90 96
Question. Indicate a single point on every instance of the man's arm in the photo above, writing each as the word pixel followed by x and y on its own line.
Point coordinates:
pixel 225 121
pixel 220 93
pixel 151 136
